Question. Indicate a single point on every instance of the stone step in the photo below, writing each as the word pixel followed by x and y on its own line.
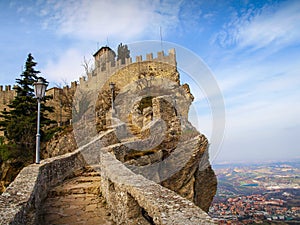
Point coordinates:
pixel 79 186
pixel 77 201
pixel 86 181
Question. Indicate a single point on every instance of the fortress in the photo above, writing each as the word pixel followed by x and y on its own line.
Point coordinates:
pixel 105 65
pixel 130 122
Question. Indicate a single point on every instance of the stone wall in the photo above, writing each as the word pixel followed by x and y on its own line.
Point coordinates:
pixel 62 99
pixel 137 80
pixel 7 94
pixel 61 102
pixel 20 202
pixel 25 194
pixel 131 198
pixel 98 75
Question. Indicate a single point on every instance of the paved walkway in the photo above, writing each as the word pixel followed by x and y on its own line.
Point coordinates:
pixel 76 201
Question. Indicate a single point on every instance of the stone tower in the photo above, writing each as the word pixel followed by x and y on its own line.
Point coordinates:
pixel 103 56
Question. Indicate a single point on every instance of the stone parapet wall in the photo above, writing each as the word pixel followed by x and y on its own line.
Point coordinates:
pixel 20 201
pixel 132 198
pixel 6 96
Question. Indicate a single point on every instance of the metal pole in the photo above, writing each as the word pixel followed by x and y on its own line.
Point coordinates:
pixel 37 151
pixel 60 118
pixel 112 99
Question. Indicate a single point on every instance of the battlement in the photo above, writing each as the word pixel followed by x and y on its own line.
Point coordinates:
pixel 6 88
pixel 161 57
pixel 98 75
pixel 67 87
pixel 7 94
pixel 102 70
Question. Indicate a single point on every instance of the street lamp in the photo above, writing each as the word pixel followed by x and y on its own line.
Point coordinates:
pixel 39 90
pixel 112 88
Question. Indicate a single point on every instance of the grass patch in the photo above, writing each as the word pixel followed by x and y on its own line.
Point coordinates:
pixel 8 151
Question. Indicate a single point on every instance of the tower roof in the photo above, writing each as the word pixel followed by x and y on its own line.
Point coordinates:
pixel 103 49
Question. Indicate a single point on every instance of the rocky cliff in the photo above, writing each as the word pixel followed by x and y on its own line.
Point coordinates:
pixel 61 143
pixel 156 140
pixel 9 169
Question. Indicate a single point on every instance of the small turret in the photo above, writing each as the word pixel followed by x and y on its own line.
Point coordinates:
pixel 104 55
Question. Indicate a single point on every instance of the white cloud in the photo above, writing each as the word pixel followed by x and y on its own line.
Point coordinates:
pixel 66 68
pixel 97 20
pixel 280 28
pixel 273 25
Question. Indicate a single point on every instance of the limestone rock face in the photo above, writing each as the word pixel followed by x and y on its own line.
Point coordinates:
pixel 8 171
pixel 60 144
pixel 196 180
pixel 206 186
pixel 156 139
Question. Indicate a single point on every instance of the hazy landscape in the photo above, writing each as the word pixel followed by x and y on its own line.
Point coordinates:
pixel 249 193
pixel 237 62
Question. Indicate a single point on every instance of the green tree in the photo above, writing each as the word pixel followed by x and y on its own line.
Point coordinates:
pixel 123 53
pixel 19 122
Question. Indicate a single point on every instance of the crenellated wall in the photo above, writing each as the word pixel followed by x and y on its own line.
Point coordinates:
pixel 61 101
pixel 98 75
pixel 131 198
pixel 63 97
pixel 6 96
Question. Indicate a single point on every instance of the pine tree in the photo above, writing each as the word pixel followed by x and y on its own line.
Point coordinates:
pixel 123 53
pixel 19 122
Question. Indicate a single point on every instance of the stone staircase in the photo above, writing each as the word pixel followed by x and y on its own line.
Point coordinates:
pixel 77 200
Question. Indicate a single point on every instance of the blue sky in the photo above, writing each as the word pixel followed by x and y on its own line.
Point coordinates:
pixel 251 47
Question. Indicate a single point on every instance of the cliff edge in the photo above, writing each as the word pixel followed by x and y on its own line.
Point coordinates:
pixel 148 108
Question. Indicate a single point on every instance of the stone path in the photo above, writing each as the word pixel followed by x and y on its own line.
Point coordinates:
pixel 76 201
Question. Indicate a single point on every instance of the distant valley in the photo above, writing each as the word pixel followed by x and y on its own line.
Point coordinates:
pixel 256 193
